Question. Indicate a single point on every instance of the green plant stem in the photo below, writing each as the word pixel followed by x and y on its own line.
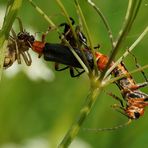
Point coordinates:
pixel 128 51
pixel 84 22
pixel 130 16
pixel 106 24
pixel 11 12
pixel 86 108
pixel 39 10
pixel 88 35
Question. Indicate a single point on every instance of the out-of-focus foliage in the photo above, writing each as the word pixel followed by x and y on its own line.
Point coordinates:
pixel 43 109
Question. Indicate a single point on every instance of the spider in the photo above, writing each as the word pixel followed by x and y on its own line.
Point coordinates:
pixel 18 45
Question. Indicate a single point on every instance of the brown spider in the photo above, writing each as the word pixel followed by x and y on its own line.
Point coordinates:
pixel 18 45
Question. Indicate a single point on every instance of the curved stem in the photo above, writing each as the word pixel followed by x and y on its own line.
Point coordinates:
pixel 106 24
pixel 43 14
pixel 129 50
pixel 128 22
pixel 88 35
pixel 86 108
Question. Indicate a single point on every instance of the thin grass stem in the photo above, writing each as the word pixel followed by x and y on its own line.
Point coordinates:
pixel 128 22
pixel 103 18
pixel 128 51
pixel 88 34
pixel 86 108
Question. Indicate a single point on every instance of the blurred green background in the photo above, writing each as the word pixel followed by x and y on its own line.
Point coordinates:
pixel 39 113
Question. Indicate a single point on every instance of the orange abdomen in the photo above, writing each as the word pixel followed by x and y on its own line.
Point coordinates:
pixel 102 61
